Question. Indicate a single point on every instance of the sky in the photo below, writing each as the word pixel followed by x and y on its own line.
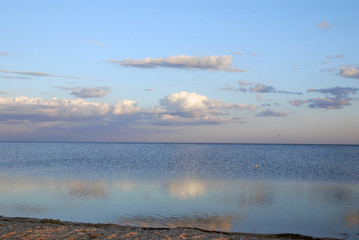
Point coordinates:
pixel 180 71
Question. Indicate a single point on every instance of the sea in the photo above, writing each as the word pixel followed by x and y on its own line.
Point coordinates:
pixel 255 188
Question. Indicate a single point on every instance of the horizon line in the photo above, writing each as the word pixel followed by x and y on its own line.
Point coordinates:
pixel 159 142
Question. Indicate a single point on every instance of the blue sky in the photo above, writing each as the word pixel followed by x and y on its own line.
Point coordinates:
pixel 180 71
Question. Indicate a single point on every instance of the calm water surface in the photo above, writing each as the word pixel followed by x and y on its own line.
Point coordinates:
pixel 305 189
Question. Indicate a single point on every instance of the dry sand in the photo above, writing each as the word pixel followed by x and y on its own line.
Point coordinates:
pixel 32 228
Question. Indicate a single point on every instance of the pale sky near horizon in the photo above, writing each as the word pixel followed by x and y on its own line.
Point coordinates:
pixel 180 71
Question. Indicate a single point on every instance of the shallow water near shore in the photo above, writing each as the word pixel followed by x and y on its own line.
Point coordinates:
pixel 305 189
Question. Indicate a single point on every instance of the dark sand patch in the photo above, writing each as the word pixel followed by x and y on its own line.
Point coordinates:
pixel 32 228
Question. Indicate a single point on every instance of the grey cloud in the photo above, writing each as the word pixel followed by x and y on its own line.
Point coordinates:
pixel 182 121
pixel 329 70
pixel 258 88
pixel 96 92
pixel 12 77
pixel 349 72
pixel 336 56
pixel 227 88
pixel 238 52
pixel 149 89
pixel 213 63
pixel 5 93
pixel 65 88
pixel 324 25
pixel 4 53
pixel 241 89
pixel 38 74
pixel 329 103
pixel 261 88
pixel 289 92
pixel 341 92
pixel 253 54
pixel 271 113
pixel 338 98
pixel 298 102
pixel 244 83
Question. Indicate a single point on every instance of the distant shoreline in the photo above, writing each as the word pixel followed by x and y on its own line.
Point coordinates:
pixel 34 228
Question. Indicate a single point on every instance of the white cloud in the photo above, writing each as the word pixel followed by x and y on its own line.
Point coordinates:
pixel 96 92
pixel 37 108
pixel 184 108
pixel 324 25
pixel 349 72
pixel 195 104
pixel 214 63
pixel 125 107
pixel 184 189
pixel 185 102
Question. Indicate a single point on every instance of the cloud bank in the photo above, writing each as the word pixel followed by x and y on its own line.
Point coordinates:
pixel 213 63
pixel 182 108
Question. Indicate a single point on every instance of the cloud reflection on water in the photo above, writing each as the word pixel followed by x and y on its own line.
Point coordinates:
pixel 88 189
pixel 351 219
pixel 185 188
pixel 226 205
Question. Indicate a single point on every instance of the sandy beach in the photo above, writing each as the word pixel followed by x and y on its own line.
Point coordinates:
pixel 33 228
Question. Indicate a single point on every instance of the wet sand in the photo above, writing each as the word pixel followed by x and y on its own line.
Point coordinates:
pixel 32 228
